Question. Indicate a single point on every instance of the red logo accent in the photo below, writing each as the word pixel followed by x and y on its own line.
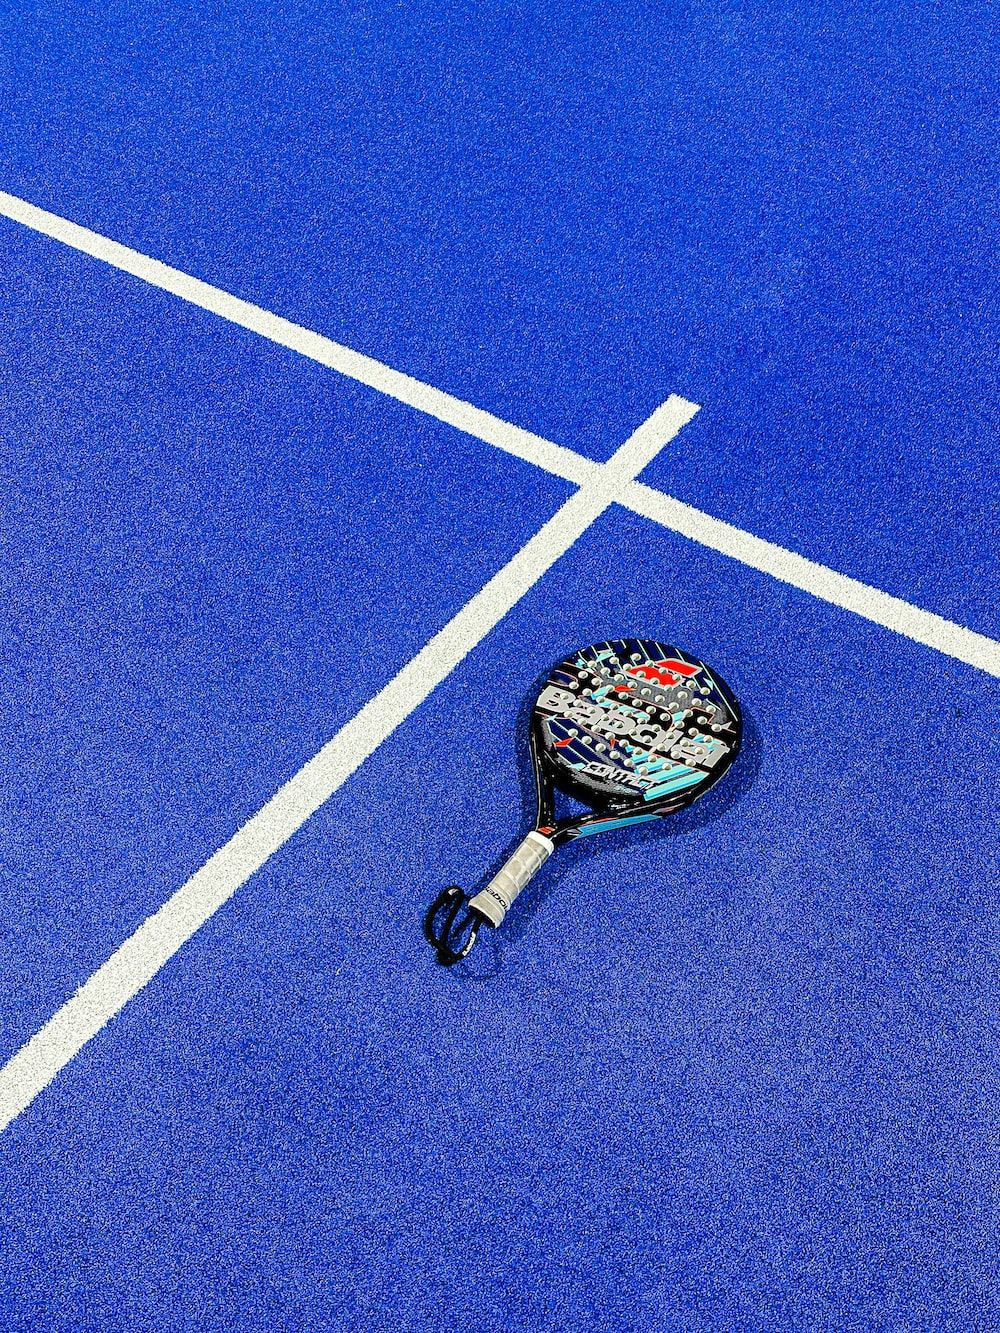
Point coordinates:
pixel 667 672
pixel 567 741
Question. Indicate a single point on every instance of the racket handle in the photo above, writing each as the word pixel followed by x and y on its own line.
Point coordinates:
pixel 494 901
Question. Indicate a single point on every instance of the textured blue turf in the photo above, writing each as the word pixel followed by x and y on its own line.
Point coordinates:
pixel 735 1073
pixel 731 1076
pixel 215 552
pixel 786 215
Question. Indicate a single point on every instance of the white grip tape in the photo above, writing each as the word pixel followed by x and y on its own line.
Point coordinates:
pixel 494 901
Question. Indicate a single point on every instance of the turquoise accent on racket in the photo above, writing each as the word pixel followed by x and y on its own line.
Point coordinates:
pixel 605 824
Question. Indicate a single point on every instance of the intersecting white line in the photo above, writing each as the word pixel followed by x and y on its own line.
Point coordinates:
pixel 136 961
pixel 133 965
pixel 828 585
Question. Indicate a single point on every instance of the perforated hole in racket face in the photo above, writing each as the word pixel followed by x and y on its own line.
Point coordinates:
pixel 637 724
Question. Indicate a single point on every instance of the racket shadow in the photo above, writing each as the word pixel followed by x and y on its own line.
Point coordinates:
pixel 487 960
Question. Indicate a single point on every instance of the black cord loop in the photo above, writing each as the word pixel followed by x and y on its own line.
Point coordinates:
pixel 452 935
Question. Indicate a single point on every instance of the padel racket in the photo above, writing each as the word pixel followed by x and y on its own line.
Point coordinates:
pixel 633 728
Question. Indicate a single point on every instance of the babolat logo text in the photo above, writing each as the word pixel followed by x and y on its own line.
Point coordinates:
pixel 620 722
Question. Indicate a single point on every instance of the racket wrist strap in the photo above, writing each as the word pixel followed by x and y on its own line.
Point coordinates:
pixel 494 901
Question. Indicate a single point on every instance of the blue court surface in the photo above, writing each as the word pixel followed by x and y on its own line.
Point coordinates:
pixel 733 1070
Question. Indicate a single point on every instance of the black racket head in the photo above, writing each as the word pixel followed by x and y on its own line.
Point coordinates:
pixel 636 724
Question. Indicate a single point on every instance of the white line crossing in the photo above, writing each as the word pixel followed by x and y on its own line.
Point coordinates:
pixel 881 608
pixel 140 957
pixel 154 943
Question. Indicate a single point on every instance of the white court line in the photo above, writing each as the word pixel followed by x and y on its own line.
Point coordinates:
pixel 365 369
pixel 893 613
pixel 879 607
pixel 140 957
pixel 155 942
